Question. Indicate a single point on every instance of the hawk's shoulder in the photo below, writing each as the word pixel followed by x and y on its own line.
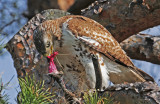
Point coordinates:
pixel 97 37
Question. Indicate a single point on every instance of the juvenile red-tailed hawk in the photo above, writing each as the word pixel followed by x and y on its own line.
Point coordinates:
pixel 88 51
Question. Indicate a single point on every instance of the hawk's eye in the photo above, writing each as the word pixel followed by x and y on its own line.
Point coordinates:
pixel 48 44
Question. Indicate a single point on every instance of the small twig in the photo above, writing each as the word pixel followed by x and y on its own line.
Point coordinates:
pixel 8 82
pixel 8 24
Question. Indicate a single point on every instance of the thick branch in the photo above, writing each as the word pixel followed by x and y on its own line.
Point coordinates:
pixel 123 21
pixel 26 58
pixel 135 93
pixel 22 48
pixel 79 5
pixel 8 24
pixel 36 6
pixel 143 47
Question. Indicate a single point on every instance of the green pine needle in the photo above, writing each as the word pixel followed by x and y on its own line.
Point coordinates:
pixel 33 92
pixel 93 98
pixel 3 98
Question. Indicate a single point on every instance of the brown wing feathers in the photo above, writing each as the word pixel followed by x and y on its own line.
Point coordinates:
pixel 107 45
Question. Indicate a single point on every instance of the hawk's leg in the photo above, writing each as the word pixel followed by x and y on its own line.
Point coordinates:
pixel 102 77
pixel 97 71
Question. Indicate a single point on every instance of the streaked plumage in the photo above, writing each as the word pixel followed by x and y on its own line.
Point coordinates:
pixel 88 53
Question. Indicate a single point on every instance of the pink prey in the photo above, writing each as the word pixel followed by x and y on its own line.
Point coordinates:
pixel 52 66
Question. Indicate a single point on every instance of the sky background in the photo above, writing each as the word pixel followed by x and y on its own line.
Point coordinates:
pixel 13 9
pixel 10 10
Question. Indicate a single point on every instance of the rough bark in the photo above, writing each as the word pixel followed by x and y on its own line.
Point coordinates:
pixel 115 15
pixel 121 20
pixel 79 5
pixel 36 6
pixel 22 47
pixel 143 47
pixel 73 6
pixel 135 93
pixel 26 57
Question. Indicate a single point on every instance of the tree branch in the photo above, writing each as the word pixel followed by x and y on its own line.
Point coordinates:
pixel 36 6
pixel 121 21
pixel 79 5
pixel 9 23
pixel 135 93
pixel 143 47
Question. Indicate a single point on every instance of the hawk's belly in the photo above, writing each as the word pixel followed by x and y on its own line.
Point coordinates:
pixel 76 63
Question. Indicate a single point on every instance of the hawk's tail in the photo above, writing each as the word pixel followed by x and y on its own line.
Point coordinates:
pixel 146 76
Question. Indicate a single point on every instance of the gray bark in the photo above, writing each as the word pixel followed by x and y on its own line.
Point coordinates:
pixel 143 47
pixel 135 93
pixel 121 19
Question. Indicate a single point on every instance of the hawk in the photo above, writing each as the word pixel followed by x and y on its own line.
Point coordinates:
pixel 88 51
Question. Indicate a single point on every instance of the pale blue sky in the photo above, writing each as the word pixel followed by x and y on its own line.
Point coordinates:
pixel 7 69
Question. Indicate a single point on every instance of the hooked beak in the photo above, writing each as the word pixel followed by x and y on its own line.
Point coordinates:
pixel 49 52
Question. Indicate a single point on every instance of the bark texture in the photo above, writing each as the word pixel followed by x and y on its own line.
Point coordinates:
pixel 135 93
pixel 123 20
pixel 73 6
pixel 21 46
pixel 143 47
pixel 118 16
pixel 36 6
pixel 26 58
pixel 79 5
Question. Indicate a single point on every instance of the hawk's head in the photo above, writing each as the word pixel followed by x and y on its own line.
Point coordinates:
pixel 43 42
